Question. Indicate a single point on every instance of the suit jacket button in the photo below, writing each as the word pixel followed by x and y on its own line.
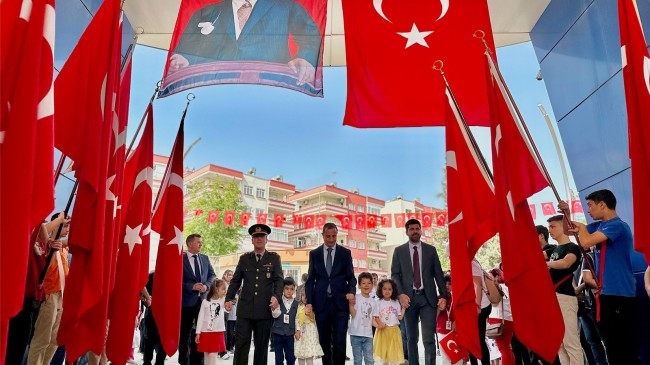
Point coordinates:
pixel 258 270
pixel 255 293
pixel 256 278
pixel 256 285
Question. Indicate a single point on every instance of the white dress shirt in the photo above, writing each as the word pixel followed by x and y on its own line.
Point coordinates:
pixel 411 251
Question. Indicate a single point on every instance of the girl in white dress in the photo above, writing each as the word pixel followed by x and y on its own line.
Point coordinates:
pixel 307 346
pixel 210 326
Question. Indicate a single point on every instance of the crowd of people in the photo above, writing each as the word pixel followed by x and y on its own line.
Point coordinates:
pixel 382 316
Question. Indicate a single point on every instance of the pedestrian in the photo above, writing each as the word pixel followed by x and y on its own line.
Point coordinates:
pixel 387 346
pixel 210 326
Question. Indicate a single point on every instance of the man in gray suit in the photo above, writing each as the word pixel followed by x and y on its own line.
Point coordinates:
pixel 416 270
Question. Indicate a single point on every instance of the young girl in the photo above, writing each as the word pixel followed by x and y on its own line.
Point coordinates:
pixel 307 345
pixel 210 326
pixel 388 312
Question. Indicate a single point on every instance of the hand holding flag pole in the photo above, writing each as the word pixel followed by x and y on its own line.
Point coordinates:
pixel 536 155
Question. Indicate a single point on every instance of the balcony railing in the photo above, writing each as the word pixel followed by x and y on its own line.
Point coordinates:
pixel 377 254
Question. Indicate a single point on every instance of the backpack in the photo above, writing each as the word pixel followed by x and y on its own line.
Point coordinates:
pixel 493 291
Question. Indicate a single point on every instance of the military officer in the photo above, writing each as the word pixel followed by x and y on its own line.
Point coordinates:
pixel 261 274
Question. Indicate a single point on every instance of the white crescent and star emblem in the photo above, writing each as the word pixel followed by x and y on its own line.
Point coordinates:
pixel 511 205
pixel 455 349
pixel 415 36
pixel 177 240
pixel 646 72
pixel 132 237
pixel 497 137
pixel 146 175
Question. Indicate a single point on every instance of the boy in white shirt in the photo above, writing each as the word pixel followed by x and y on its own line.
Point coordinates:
pixel 360 328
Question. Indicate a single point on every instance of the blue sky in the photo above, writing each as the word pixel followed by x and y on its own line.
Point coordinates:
pixel 283 132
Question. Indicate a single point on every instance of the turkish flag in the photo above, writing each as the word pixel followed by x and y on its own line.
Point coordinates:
pixel 576 206
pixel 213 215
pixel 636 76
pixel 229 218
pixel 427 219
pixel 360 222
pixel 198 212
pixel 452 346
pixel 413 216
pixel 309 221
pixel 441 219
pixel 296 219
pixel 471 203
pixel 390 50
pixel 345 220
pixel 261 218
pixel 133 255
pixel 320 220
pixel 88 130
pixel 400 220
pixel 533 210
pixel 26 141
pixel 386 221
pixel 244 217
pixel 371 221
pixel 517 176
pixel 548 209
pixel 167 222
pixel 278 220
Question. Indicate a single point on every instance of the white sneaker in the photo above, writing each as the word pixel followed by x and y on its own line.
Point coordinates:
pixel 225 356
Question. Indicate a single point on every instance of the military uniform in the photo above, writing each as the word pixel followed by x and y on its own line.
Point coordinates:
pixel 261 280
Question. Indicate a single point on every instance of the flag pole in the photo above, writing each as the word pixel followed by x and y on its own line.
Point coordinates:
pixel 189 97
pixel 144 115
pixel 59 167
pixel 537 156
pixel 556 142
pixel 41 277
pixel 437 65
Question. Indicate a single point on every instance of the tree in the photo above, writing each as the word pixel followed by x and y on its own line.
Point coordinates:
pixel 218 239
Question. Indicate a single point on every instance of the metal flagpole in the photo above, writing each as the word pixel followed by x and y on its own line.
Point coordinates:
pixel 531 143
pixel 556 142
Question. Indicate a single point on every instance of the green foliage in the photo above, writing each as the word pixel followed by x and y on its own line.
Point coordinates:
pixel 489 255
pixel 218 239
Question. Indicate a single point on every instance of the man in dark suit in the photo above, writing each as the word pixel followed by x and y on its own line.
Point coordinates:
pixel 197 277
pixel 330 287
pixel 416 270
pixel 261 274
pixel 251 30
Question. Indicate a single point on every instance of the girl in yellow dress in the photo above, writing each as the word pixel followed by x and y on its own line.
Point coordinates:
pixel 386 316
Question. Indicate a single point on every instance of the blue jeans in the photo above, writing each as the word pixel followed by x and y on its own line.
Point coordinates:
pixel 283 346
pixel 362 349
pixel 587 321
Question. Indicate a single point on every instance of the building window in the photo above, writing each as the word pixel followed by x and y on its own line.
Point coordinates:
pixel 360 208
pixel 291 272
pixel 351 207
pixel 408 211
pixel 355 263
pixel 248 190
pixel 362 264
pixel 373 210
pixel 361 245
pixel 279 235
pixel 260 193
pixel 353 244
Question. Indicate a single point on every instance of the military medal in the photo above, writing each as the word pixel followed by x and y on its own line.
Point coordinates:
pixel 268 275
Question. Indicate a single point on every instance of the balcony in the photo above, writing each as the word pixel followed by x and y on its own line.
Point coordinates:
pixel 377 254
pixel 278 245
pixel 376 235
pixel 323 208
pixel 281 206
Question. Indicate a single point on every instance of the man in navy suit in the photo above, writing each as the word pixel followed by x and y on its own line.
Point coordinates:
pixel 251 30
pixel 197 277
pixel 330 287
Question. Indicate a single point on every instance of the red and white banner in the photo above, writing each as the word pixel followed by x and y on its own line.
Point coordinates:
pixel 360 222
pixel 278 220
pixel 576 206
pixel 276 43
pixel 213 215
pixel 371 221
pixel 548 209
pixel 386 220
pixel 391 47
pixel 345 220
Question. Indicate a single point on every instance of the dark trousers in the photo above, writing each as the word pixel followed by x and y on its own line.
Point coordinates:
pixel 152 341
pixel 617 328
pixel 522 357
pixel 283 346
pixel 187 340
pixel 21 328
pixel 420 311
pixel 587 321
pixel 261 331
pixel 405 337
pixel 482 323
pixel 332 327
pixel 230 335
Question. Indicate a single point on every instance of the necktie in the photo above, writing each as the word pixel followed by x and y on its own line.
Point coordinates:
pixel 417 280
pixel 197 269
pixel 328 267
pixel 259 257
pixel 243 13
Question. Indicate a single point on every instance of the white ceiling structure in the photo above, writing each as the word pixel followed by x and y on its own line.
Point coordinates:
pixel 512 21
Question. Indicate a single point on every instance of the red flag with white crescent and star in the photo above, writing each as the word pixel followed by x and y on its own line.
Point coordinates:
pixel 344 219
pixel 400 220
pixel 360 222
pixel 244 217
pixel 26 141
pixel 386 221
pixel 296 219
pixel 390 49
pixel 320 220
pixel 88 130
pixel 441 219
pixel 371 221
pixel 309 221
pixel 133 252
pixel 533 210
pixel 576 206
pixel 427 219
pixel 636 78
pixel 517 176
pixel 548 208
pixel 278 220
pixel 229 218
pixel 471 202
pixel 261 218
pixel 452 347
pixel 167 223
pixel 213 215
